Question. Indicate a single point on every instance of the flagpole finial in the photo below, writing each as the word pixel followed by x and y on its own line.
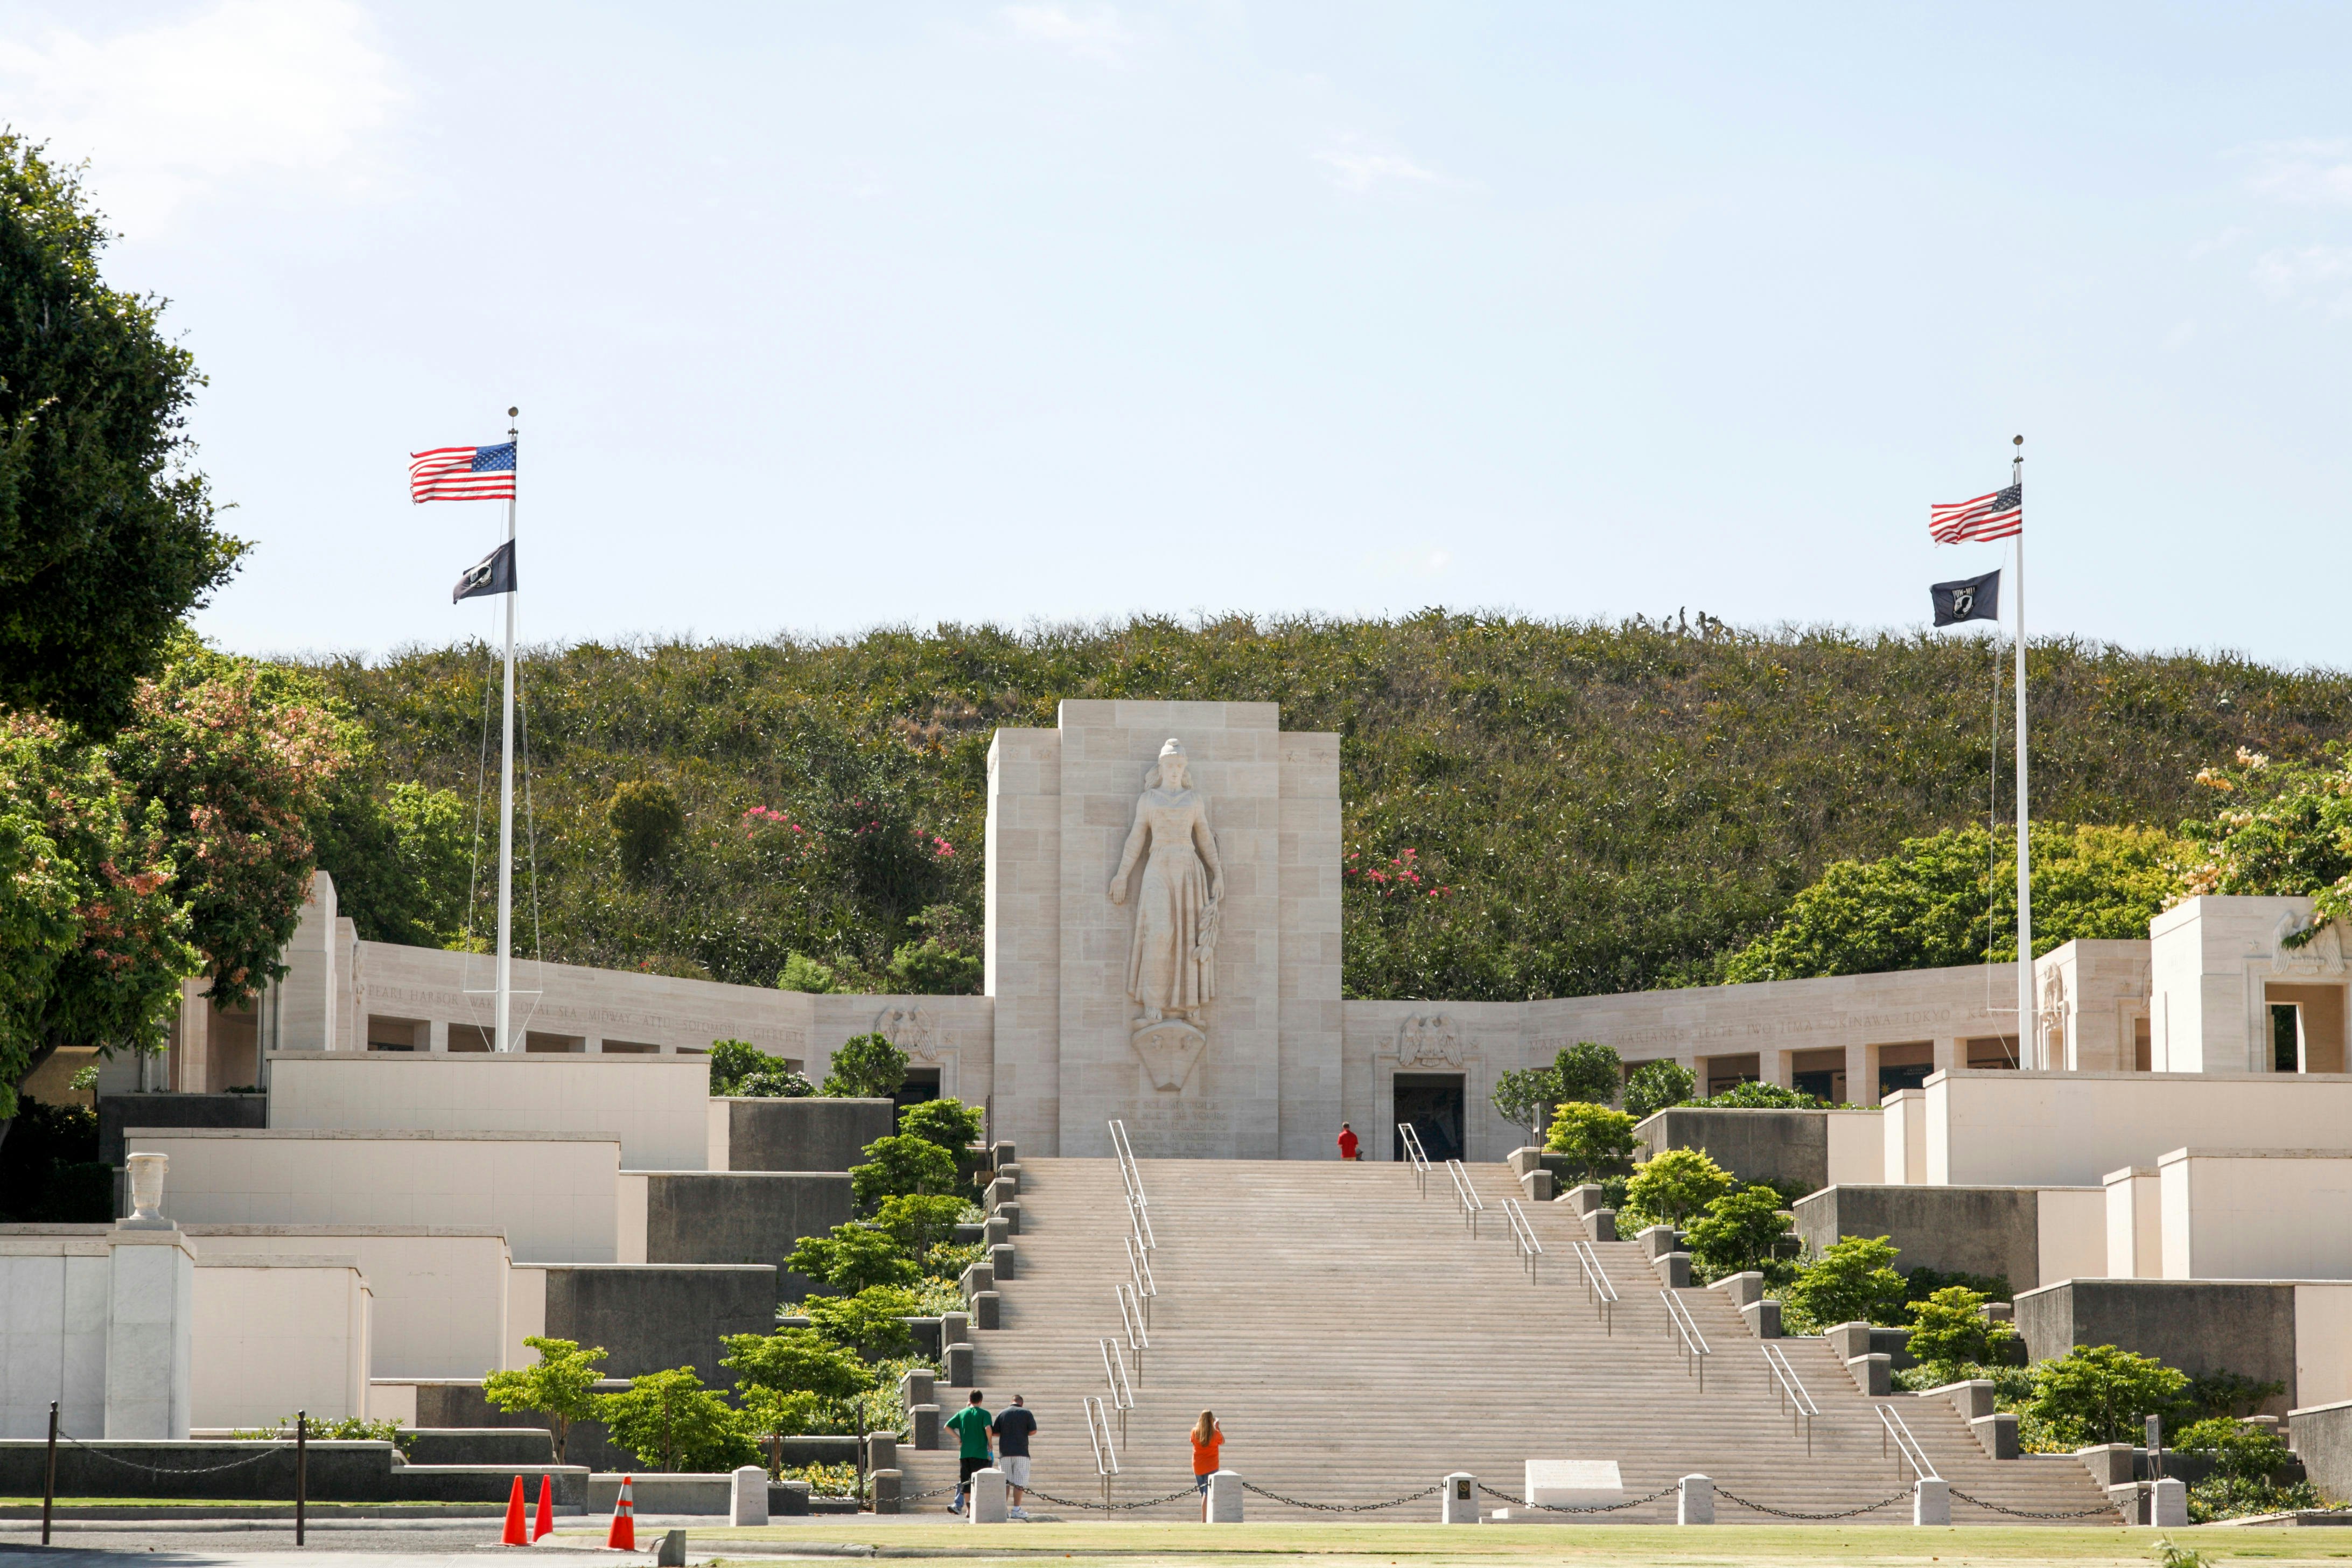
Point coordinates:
pixel 511 413
pixel 2013 440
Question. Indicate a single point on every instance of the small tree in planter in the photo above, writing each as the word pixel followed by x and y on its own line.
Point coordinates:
pixel 562 1388
pixel 1596 1140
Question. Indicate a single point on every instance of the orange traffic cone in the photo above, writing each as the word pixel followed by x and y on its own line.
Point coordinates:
pixel 545 1523
pixel 514 1535
pixel 624 1535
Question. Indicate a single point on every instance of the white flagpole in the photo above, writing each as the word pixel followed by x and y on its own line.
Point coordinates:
pixel 504 1040
pixel 2029 1047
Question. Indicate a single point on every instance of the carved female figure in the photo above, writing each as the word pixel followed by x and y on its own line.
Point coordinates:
pixel 1172 963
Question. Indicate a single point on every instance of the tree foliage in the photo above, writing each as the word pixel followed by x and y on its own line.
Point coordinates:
pixel 1524 1096
pixel 1674 1184
pixel 107 531
pixel 950 1123
pixel 669 1419
pixel 645 821
pixel 872 1323
pixel 2097 1393
pixel 1596 1140
pixel 1754 1096
pixel 1949 1329
pixel 1613 806
pixel 739 1068
pixel 1951 899
pixel 561 1385
pixel 2280 828
pixel 1740 1231
pixel 1853 1282
pixel 1590 1072
pixel 866 1066
pixel 853 1256
pixel 902 1165
pixel 1654 1086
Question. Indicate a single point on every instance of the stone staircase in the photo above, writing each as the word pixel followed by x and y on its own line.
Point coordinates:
pixel 1357 1344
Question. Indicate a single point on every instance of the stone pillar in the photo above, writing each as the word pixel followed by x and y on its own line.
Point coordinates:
pixel 955 1328
pixel 1873 1373
pixel 436 1036
pixel 916 1388
pixel 1461 1499
pixel 1931 1501
pixel 1224 1498
pixel 2168 1503
pixel 1010 1215
pixel 1861 1083
pixel 151 1311
pixel 987 1311
pixel 995 1232
pixel 1695 1502
pixel 959 1364
pixel 888 1491
pixel 925 1420
pixel 748 1501
pixel 987 1504
pixel 999 1262
pixel 1536 1185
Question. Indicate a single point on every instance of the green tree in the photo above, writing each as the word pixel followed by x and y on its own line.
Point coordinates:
pixel 2279 829
pixel 1674 1184
pixel 918 1222
pixel 1740 1231
pixel 1524 1096
pixel 1762 1097
pixel 107 528
pixel 2097 1393
pixel 401 855
pixel 1589 1072
pixel 1949 1329
pixel 790 1377
pixel 866 1066
pixel 562 1386
pixel 645 821
pixel 731 1061
pixel 1936 902
pixel 1597 1141
pixel 1654 1086
pixel 1853 1283
pixel 900 1165
pixel 950 1123
pixel 801 973
pixel 872 1323
pixel 852 1257
pixel 668 1418
pixel 929 968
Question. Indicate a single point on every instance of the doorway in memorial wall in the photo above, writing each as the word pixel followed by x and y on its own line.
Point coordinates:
pixel 2307 1027
pixel 1907 1066
pixel 1430 1103
pixel 921 1084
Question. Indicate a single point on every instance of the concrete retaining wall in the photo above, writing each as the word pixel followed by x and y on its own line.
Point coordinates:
pixel 740 1217
pixel 2198 1326
pixel 1783 1147
pixel 481 1446
pixel 117 1111
pixel 650 1318
pixel 458 1402
pixel 2322 1437
pixel 1974 1230
pixel 334 1472
pixel 810 1134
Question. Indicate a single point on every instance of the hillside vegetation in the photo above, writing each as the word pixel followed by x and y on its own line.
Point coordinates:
pixel 1532 809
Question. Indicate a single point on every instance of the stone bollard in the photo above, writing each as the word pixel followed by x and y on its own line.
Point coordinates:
pixel 986 1505
pixel 999 1262
pixel 881 1450
pixel 2168 1503
pixel 1010 1174
pixel 925 1420
pixel 1997 1432
pixel 1848 1339
pixel 1873 1373
pixel 1602 1223
pixel 987 1309
pixel 1657 1240
pixel 890 1491
pixel 1931 1501
pixel 955 1328
pixel 1460 1493
pixel 671 1552
pixel 1673 1270
pixel 748 1502
pixel 1763 1318
pixel 1740 1289
pixel 1010 1215
pixel 1694 1504
pixel 999 1191
pixel 1224 1501
pixel 1582 1198
pixel 959 1364
pixel 1536 1185
pixel 1002 1153
pixel 916 1388
pixel 976 1277
pixel 995 1231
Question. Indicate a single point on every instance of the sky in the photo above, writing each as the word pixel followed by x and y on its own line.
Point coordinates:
pixel 822 317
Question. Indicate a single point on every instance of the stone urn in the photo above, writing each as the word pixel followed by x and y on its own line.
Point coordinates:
pixel 147 1187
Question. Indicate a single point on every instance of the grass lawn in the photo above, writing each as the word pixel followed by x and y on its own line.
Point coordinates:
pixel 1344 1546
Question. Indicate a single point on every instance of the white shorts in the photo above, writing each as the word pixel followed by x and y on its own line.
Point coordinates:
pixel 1016 1469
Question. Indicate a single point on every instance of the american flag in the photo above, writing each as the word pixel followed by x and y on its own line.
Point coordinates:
pixel 1996 516
pixel 462 473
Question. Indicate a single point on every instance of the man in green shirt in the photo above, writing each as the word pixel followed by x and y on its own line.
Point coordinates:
pixel 971 1427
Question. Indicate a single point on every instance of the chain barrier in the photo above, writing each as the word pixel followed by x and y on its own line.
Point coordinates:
pixel 1111 1506
pixel 1580 1508
pixel 1903 1496
pixel 2032 1513
pixel 1345 1506
pixel 169 1470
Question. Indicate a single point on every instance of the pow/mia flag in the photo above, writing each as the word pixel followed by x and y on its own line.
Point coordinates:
pixel 1969 599
pixel 495 573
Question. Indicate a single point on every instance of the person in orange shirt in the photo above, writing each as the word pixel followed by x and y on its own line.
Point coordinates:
pixel 1207 1438
pixel 1349 1143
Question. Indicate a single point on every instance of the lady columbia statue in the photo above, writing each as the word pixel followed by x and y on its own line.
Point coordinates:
pixel 1172 960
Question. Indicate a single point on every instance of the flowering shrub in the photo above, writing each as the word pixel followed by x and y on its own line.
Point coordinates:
pixel 1402 876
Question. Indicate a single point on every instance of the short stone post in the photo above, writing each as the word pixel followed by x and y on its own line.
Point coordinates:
pixel 999 1262
pixel 2168 1503
pixel 1657 1240
pixel 1010 1215
pixel 671 1552
pixel 987 1311
pixel 1010 1174
pixel 1584 1197
pixel 916 1388
pixel 955 1328
pixel 1931 1501
pixel 1224 1498
pixel 151 1294
pixel 1763 1318
pixel 987 1503
pixel 925 1420
pixel 958 1360
pixel 1694 1504
pixel 1873 1373
pixel 994 1232
pixel 747 1503
pixel 1602 1223
pixel 1003 1152
pixel 1460 1495
pixel 890 1491
pixel 881 1450
pixel 1536 1185
pixel 1674 1269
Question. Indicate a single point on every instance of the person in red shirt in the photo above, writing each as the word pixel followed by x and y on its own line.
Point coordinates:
pixel 1349 1143
pixel 1208 1436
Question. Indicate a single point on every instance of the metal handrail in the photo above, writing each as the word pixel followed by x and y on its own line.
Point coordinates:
pixel 1122 1393
pixel 1139 1272
pixel 1139 1224
pixel 1138 1331
pixel 1130 1176
pixel 1597 1288
pixel 1891 1425
pixel 1465 1196
pixel 1795 1400
pixel 1415 1155
pixel 1106 1453
pixel 1679 1322
pixel 1524 1235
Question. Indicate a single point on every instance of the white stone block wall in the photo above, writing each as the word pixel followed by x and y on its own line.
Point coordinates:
pixel 2323 1344
pixel 2071 1234
pixel 54 1298
pixel 1023 899
pixel 2135 1225
pixel 554 1194
pixel 2255 1214
pixel 276 1334
pixel 439 1293
pixel 1312 1018
pixel 2071 1129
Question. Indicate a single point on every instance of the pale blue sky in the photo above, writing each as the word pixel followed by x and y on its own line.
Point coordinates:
pixel 826 316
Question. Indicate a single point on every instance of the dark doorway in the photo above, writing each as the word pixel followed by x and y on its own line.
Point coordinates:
pixel 923 1084
pixel 1432 1103
pixel 2286 1038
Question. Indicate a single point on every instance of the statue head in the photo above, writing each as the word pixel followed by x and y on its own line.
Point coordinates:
pixel 1170 773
